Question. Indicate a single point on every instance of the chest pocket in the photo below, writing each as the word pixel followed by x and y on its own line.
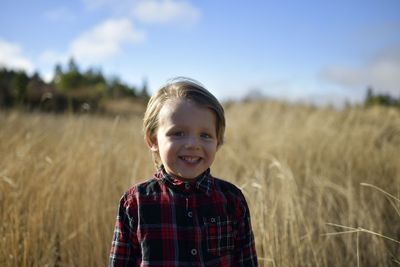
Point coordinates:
pixel 219 234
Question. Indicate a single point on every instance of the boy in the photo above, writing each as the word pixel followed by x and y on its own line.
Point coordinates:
pixel 183 216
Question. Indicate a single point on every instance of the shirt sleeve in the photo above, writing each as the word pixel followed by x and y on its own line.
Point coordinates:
pixel 245 251
pixel 125 250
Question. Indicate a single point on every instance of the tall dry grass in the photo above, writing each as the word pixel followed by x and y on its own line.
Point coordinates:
pixel 307 173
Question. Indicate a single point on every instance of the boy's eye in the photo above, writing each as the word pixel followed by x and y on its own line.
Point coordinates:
pixel 179 133
pixel 206 135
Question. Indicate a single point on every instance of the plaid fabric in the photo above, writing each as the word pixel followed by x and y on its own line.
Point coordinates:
pixel 165 222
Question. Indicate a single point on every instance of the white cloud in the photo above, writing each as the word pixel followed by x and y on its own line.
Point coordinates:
pixel 382 72
pixel 96 45
pixel 178 12
pixel 105 40
pixel 344 75
pixel 166 11
pixel 60 14
pixel 11 56
pixel 47 75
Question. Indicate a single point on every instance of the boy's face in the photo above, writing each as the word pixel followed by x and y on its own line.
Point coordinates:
pixel 186 139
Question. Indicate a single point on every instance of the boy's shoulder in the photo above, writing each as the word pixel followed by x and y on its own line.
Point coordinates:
pixel 226 186
pixel 148 186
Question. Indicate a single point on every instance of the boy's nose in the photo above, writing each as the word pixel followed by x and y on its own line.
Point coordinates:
pixel 192 143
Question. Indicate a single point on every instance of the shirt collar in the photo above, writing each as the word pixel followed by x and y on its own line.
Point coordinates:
pixel 203 182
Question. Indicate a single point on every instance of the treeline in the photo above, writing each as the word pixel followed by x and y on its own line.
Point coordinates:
pixel 81 91
pixel 70 90
pixel 373 99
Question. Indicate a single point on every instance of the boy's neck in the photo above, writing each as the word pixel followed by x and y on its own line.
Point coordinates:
pixel 180 178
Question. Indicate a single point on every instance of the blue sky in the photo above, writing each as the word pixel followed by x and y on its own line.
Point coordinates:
pixel 317 51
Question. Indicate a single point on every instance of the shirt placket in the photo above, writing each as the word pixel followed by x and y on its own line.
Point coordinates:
pixel 195 246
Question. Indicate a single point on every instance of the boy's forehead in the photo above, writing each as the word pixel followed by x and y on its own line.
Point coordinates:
pixel 174 106
pixel 169 108
pixel 178 109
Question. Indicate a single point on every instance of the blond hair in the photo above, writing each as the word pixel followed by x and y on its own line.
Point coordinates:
pixel 182 89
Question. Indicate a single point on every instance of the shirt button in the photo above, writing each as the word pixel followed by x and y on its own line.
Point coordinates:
pixel 194 252
pixel 190 214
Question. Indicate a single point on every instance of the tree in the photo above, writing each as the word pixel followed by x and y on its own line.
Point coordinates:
pixel 57 73
pixel 144 92
pixel 93 77
pixel 372 99
pixel 119 89
pixel 69 80
pixel 18 86
pixel 72 66
pixel 6 98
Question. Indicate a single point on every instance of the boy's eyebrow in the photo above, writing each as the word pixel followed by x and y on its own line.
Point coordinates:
pixel 179 127
pixel 206 129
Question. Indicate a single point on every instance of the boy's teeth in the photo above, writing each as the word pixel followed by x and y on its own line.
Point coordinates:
pixel 190 159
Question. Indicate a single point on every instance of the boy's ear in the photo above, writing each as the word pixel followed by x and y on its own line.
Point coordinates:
pixel 152 143
pixel 218 146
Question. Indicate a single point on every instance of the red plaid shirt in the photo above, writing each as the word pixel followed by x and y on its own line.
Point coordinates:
pixel 165 222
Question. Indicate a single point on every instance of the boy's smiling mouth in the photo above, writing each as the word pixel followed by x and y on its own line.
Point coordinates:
pixel 190 159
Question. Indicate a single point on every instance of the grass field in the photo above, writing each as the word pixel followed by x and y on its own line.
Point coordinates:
pixel 323 186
